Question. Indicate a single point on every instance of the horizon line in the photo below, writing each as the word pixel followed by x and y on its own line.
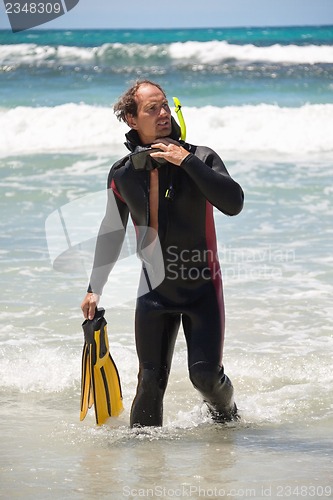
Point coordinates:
pixel 41 28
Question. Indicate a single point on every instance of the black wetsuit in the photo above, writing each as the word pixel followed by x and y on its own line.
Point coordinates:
pixel 191 290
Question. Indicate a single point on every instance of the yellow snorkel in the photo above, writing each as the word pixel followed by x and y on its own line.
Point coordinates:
pixel 178 110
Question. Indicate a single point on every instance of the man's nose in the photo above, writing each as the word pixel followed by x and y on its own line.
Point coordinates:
pixel 163 111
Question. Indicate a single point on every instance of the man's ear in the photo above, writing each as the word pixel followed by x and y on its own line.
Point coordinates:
pixel 131 121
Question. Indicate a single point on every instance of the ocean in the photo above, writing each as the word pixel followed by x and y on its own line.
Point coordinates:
pixel 263 99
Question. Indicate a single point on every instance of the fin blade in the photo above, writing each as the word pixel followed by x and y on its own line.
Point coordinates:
pixel 114 387
pixel 85 382
pixel 101 396
pixel 106 383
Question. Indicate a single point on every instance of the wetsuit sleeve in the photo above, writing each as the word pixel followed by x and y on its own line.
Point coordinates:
pixel 214 181
pixel 110 238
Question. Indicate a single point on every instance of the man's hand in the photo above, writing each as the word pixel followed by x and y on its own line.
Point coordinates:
pixel 89 304
pixel 171 151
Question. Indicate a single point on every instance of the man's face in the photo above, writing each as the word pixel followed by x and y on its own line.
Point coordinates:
pixel 153 119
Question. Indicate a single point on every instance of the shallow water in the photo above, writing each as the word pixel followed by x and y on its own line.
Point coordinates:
pixel 276 259
pixel 191 458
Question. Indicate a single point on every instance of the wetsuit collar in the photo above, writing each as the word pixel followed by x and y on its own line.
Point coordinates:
pixel 133 139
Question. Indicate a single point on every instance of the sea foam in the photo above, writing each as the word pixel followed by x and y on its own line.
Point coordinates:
pixel 211 52
pixel 255 129
pixel 218 51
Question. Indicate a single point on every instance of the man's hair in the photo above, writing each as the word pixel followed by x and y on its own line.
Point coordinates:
pixel 127 103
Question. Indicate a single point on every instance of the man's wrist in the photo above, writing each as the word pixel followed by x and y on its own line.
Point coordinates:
pixel 90 290
pixel 186 159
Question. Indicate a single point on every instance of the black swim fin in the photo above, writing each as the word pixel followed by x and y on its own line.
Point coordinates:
pixel 100 382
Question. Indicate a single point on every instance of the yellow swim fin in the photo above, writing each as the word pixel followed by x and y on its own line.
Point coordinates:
pixel 100 383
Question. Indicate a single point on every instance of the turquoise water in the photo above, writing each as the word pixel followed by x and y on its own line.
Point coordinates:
pixel 300 35
pixel 263 99
pixel 219 67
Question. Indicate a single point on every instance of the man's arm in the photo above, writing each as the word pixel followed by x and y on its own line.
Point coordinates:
pixel 214 181
pixel 108 246
pixel 209 174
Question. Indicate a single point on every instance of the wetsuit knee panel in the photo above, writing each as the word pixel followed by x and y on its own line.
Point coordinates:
pixel 153 378
pixel 205 377
pixel 216 389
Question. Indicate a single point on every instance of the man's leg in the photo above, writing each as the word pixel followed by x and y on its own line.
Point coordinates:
pixel 155 334
pixel 203 325
pixel 216 389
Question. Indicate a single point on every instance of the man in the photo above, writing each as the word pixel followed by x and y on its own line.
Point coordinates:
pixel 170 193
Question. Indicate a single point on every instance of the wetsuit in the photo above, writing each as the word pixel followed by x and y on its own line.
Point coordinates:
pixel 191 290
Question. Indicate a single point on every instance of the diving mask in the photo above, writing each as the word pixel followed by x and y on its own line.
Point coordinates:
pixel 141 159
